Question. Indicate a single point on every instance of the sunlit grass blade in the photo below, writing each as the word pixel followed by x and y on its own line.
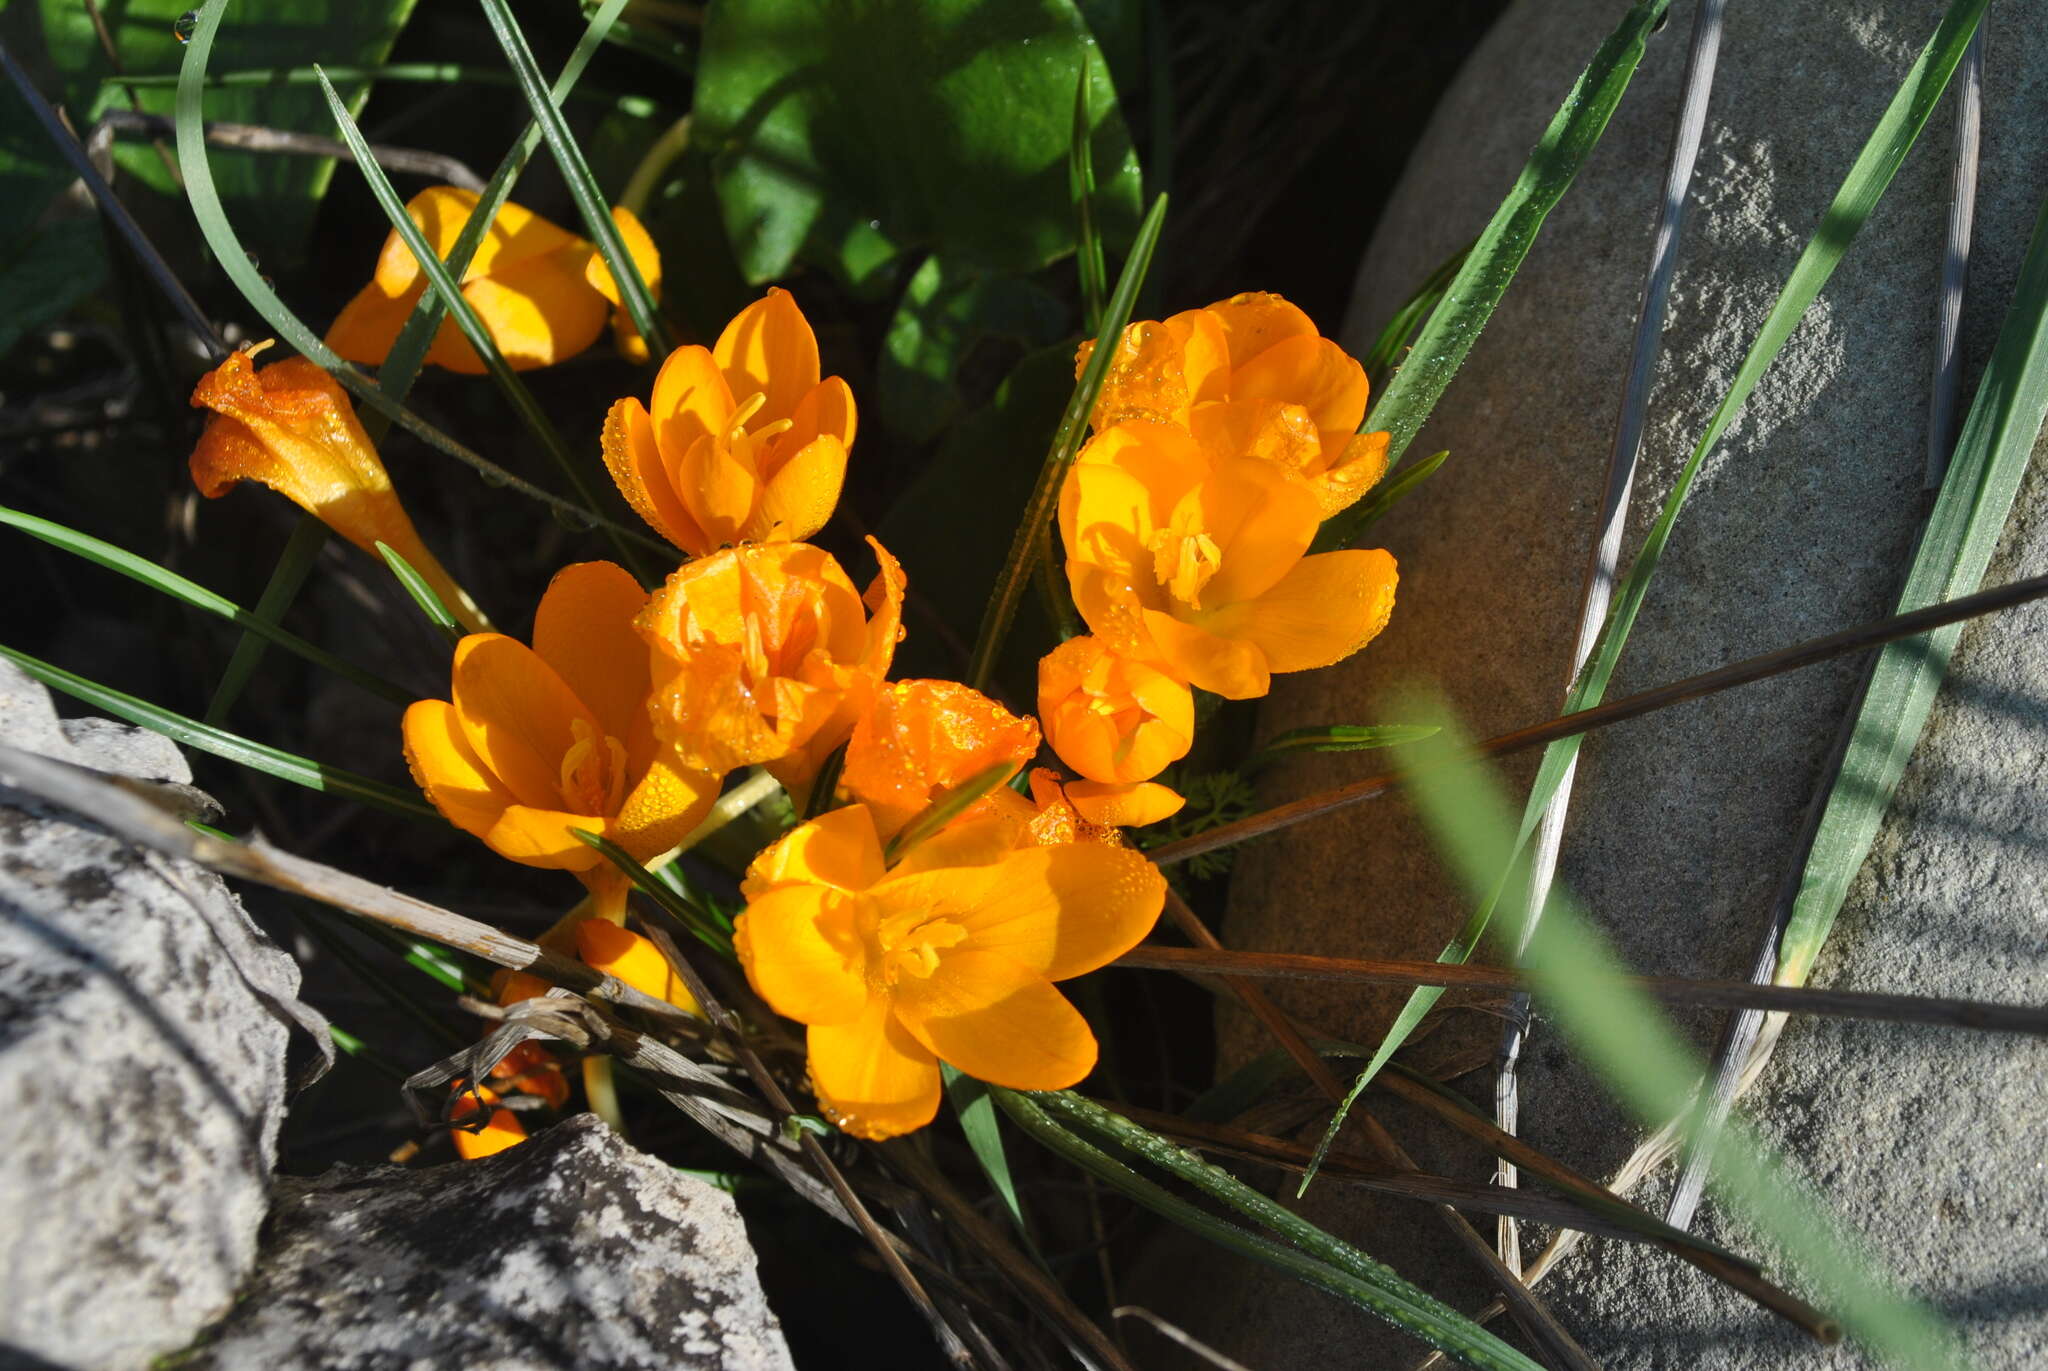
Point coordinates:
pixel 466 318
pixel 1087 237
pixel 1393 490
pixel 977 1115
pixel 697 922
pixel 170 583
pixel 294 565
pixel 1866 181
pixel 1342 738
pixel 232 746
pixel 1038 511
pixel 1490 266
pixel 403 73
pixel 422 594
pixel 1314 1257
pixel 1386 350
pixel 949 805
pixel 583 187
pixel 240 268
pixel 1621 1034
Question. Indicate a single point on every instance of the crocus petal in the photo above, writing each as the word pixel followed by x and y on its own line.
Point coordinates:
pixel 998 1019
pixel 1205 356
pixel 1321 612
pixel 1064 911
pixel 828 409
pixel 1255 321
pixel 1106 520
pixel 634 459
pixel 502 1132
pixel 647 258
pixel 663 807
pixel 1123 806
pixel 1205 659
pixel 442 212
pixel 447 768
pixel 538 311
pixel 1311 372
pixel 769 348
pixel 616 951
pixel 1360 464
pixel 1262 518
pixel 968 842
pixel 370 323
pixel 840 848
pixel 691 401
pixel 517 715
pixel 871 1077
pixel 584 630
pixel 533 835
pixel 798 499
pixel 803 954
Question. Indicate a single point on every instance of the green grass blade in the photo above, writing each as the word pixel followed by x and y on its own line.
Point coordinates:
pixel 699 923
pixel 1622 1035
pixel 466 318
pixel 1088 238
pixel 949 805
pixel 1038 511
pixel 977 1114
pixel 1314 1257
pixel 1393 340
pixel 294 565
pixel 583 187
pixel 1867 180
pixel 221 743
pixel 422 594
pixel 1339 738
pixel 161 579
pixel 1490 266
pixel 1393 490
pixel 404 73
pixel 1962 532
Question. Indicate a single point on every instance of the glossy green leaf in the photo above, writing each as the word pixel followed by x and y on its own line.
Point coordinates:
pixel 977 1115
pixel 853 133
pixel 946 311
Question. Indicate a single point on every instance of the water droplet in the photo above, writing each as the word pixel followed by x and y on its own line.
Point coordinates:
pixel 185 26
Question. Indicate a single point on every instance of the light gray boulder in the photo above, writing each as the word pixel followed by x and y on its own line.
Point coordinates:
pixel 1927 1143
pixel 571 1250
pixel 142 1070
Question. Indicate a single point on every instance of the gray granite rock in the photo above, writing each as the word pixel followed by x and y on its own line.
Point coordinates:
pixel 142 1071
pixel 573 1250
pixel 1928 1143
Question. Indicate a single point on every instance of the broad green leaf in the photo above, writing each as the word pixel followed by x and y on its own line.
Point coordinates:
pixel 945 312
pixel 1584 989
pixel 1489 267
pixel 1962 531
pixel 1866 181
pixel 855 132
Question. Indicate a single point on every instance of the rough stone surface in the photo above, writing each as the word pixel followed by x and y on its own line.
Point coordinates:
pixel 574 1250
pixel 1927 1143
pixel 142 1071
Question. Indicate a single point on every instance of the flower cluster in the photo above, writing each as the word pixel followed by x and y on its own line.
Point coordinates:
pixel 923 916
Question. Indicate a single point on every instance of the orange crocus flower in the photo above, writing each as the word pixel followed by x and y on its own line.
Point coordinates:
pixel 635 960
pixel 920 739
pixel 948 956
pixel 542 292
pixel 1195 563
pixel 289 426
pixel 766 654
pixel 503 1131
pixel 1119 723
pixel 1049 818
pixel 539 740
pixel 1251 376
pixel 744 443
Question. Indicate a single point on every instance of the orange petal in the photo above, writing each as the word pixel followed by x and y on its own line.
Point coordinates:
pixel 1064 911
pixel 503 1131
pixel 664 806
pixel 1311 372
pixel 447 768
pixel 1262 519
pixel 1205 659
pixel 718 483
pixel 634 459
pixel 584 630
pixel 1256 320
pixel 539 311
pixel 800 497
pixel 1360 464
pixel 997 1019
pixel 635 960
pixel 1326 608
pixel 1124 806
pixel 840 848
pixel 639 246
pixel 803 954
pixel 536 836
pixel 691 401
pixel 442 212
pixel 516 714
pixel 871 1077
pixel 828 409
pixel 769 348
pixel 370 323
pixel 965 843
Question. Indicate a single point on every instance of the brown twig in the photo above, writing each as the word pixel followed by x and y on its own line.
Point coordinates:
pixel 1786 999
pixel 261 138
pixel 1744 672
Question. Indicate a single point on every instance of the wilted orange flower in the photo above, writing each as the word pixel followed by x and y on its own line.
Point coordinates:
pixel 539 740
pixel 1195 563
pixel 921 738
pixel 289 426
pixel 503 1131
pixel 949 956
pixel 1119 723
pixel 766 654
pixel 542 292
pixel 744 444
pixel 1250 376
